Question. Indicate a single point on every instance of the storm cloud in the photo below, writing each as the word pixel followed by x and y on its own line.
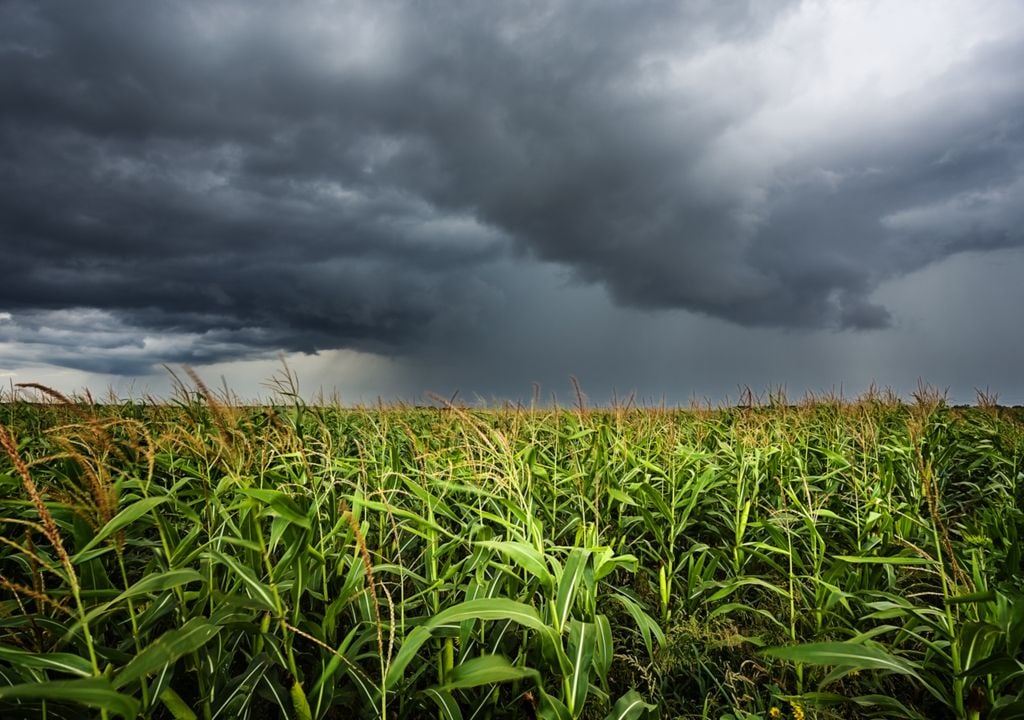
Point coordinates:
pixel 230 179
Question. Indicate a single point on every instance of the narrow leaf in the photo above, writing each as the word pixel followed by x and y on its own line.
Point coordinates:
pixel 603 649
pixel 846 654
pixel 167 649
pixel 582 638
pixel 568 584
pixel 260 592
pixel 158 582
pixel 487 670
pixel 58 662
pixel 629 707
pixel 281 503
pixel 524 555
pixel 445 703
pixel 120 521
pixel 891 560
pixel 92 692
pixel 480 609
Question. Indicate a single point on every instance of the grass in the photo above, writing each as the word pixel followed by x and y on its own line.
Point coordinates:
pixel 197 558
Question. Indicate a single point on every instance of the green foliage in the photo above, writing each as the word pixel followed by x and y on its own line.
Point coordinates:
pixel 199 559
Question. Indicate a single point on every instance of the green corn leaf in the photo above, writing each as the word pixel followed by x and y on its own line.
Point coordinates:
pixel 603 648
pixel 258 591
pixel 730 587
pixel 398 512
pixel 568 585
pixel 335 662
pixel 406 653
pixel 728 608
pixel 166 649
pixel 657 500
pixel 649 629
pixel 177 707
pixel 822 699
pixel 606 562
pixel 982 596
pixel 1014 625
pixel 57 662
pixel 300 704
pixel 582 639
pixel 159 582
pixel 236 695
pixel 480 609
pixel 861 657
pixel 120 521
pixel 487 670
pixel 1007 708
pixel 490 609
pixel 621 497
pixel 524 555
pixel 999 665
pixel 445 703
pixel 629 707
pixel 551 708
pixel 436 504
pixel 281 503
pixel 897 708
pixel 891 560
pixel 976 641
pixel 92 692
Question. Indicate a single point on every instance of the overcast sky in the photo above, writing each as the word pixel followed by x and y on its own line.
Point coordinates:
pixel 672 198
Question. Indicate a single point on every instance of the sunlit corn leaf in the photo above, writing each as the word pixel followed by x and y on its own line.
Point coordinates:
pixel 524 555
pixel 891 560
pixel 487 670
pixel 482 609
pixel 606 562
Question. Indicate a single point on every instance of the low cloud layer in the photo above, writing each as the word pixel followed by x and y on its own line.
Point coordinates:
pixel 230 179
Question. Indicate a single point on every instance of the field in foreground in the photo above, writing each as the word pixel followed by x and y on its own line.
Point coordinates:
pixel 193 559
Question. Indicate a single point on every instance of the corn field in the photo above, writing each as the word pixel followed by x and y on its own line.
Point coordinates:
pixel 200 558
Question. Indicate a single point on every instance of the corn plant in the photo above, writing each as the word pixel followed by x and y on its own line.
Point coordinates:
pixel 198 558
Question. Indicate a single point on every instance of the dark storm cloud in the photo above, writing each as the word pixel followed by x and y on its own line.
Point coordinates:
pixel 253 176
pixel 100 342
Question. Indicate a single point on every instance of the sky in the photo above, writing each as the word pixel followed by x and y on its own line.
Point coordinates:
pixel 672 199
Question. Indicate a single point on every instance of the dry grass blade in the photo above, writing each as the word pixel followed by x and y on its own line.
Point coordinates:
pixel 49 525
